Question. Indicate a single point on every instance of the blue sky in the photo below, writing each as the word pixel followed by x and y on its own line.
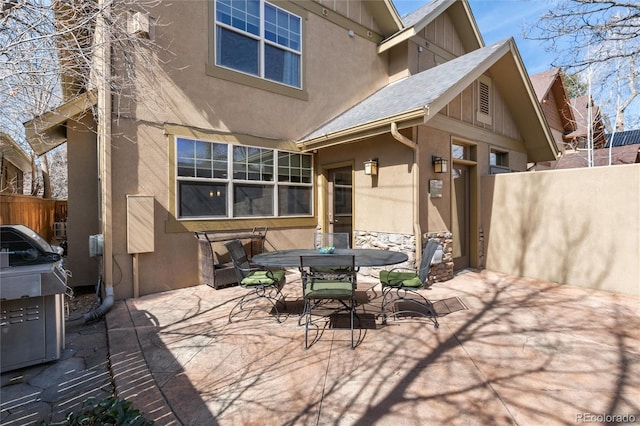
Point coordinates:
pixel 500 19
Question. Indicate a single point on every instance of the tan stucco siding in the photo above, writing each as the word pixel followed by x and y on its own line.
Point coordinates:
pixel 330 82
pixel 83 203
pixel 560 226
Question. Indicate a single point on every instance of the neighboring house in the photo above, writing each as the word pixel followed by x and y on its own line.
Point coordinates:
pixel 272 111
pixel 624 150
pixel 585 111
pixel 14 163
pixel 552 95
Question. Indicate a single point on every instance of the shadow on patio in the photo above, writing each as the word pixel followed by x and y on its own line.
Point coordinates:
pixel 525 352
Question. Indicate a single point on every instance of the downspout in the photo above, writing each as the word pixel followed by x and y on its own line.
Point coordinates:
pixel 415 174
pixel 103 61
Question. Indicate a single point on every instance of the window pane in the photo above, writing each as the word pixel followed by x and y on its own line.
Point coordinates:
pixel 236 51
pixel 252 200
pixel 281 66
pixel 202 199
pixel 294 200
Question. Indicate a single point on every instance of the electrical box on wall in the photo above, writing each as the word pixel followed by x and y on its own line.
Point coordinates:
pixel 140 224
pixel 96 245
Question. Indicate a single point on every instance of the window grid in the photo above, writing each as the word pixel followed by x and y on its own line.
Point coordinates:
pixel 221 181
pixel 278 34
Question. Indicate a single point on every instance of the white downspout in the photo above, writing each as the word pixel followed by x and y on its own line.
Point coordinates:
pixel 415 174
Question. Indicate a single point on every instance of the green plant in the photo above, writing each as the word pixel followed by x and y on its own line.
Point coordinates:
pixel 108 411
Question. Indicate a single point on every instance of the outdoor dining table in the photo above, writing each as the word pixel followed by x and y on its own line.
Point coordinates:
pixel 362 257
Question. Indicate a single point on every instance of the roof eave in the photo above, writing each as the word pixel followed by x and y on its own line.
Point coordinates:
pixel 14 153
pixel 364 130
pixel 46 132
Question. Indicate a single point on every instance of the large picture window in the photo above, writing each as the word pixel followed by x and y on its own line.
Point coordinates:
pixel 260 39
pixel 220 181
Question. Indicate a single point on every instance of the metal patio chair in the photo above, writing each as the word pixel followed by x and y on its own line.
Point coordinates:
pixel 262 283
pixel 400 286
pixel 319 290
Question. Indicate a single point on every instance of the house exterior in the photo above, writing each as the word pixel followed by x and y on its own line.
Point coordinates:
pixel 14 163
pixel 552 95
pixel 620 148
pixel 267 116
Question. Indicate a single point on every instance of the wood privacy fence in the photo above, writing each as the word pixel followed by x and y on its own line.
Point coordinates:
pixel 38 214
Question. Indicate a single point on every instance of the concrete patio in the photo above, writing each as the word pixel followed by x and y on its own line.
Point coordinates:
pixel 509 350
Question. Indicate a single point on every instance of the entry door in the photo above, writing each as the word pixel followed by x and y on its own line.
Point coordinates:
pixel 339 207
pixel 460 216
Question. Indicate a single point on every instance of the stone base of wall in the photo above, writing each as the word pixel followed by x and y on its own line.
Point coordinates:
pixel 442 271
pixel 406 244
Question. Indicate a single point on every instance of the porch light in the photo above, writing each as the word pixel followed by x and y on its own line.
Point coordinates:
pixel 439 164
pixel 371 167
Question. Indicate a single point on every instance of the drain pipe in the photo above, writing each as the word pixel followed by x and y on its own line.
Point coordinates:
pixel 415 173
pixel 103 64
pixel 107 303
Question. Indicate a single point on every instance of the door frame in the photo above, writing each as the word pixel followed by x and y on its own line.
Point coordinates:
pixel 473 209
pixel 323 193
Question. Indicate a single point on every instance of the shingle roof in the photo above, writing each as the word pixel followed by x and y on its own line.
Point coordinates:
pixel 628 137
pixel 627 154
pixel 414 17
pixel 414 92
pixel 542 82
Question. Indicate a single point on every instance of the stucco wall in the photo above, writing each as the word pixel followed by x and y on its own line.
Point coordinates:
pixel 82 154
pixel 579 227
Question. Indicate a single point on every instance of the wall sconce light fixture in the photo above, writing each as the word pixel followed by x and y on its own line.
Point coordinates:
pixel 439 164
pixel 371 167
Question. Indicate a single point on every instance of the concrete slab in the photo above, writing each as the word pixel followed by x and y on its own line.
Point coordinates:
pixel 509 351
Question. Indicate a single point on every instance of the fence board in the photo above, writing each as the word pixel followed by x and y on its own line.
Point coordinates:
pixel 38 214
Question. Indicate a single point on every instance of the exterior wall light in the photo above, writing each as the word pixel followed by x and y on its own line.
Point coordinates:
pixel 439 164
pixel 371 167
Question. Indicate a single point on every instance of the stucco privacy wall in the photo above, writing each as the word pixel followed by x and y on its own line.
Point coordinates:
pixel 579 227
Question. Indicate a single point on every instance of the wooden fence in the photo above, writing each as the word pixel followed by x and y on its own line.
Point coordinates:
pixel 38 214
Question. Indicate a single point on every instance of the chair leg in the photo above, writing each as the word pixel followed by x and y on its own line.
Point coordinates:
pixel 353 308
pixel 258 293
pixel 401 293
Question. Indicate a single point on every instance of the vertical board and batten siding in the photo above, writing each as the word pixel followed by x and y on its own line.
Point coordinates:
pixel 38 214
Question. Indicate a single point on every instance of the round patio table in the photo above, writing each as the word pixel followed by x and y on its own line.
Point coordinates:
pixel 362 257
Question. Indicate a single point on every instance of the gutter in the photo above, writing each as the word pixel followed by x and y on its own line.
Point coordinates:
pixel 415 174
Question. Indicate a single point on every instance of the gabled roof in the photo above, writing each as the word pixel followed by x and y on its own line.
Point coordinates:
pixel 627 154
pixel 550 82
pixel 416 21
pixel 418 98
pixel 628 137
pixel 47 131
pixel 14 153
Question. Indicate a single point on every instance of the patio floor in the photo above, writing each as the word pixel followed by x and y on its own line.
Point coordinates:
pixel 509 350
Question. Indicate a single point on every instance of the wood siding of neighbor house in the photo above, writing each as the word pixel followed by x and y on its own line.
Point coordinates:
pixel 12 181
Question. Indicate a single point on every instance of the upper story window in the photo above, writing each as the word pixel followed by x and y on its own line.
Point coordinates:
pixel 220 181
pixel 259 39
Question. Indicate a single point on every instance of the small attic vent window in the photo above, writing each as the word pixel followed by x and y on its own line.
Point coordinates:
pixel 484 100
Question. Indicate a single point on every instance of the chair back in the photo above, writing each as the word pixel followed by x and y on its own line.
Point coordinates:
pixel 239 257
pixel 345 263
pixel 428 251
pixel 339 240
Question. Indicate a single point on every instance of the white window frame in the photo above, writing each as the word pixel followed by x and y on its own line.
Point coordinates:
pixel 262 42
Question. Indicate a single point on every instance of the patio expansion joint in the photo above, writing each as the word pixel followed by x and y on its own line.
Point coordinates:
pixel 486 381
